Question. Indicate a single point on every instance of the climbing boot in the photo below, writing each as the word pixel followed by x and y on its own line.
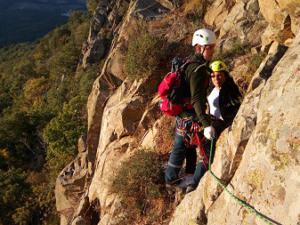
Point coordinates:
pixel 190 188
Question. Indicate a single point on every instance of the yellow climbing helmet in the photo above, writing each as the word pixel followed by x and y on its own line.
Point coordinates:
pixel 218 65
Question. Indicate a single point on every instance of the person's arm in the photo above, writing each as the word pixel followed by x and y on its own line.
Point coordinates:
pixel 235 94
pixel 230 101
pixel 198 85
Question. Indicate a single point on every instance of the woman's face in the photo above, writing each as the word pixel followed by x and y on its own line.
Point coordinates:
pixel 218 78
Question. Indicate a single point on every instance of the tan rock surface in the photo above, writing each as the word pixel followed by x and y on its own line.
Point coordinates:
pixel 216 13
pixel 261 149
pixel 237 23
pixel 104 23
pixel 272 13
pixel 231 145
pixel 121 117
pixel 292 7
pixel 267 168
pixel 268 176
pixel 283 18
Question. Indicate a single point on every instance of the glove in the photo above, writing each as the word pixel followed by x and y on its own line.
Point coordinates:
pixel 209 132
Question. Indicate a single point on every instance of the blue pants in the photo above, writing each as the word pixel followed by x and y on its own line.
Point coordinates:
pixel 180 152
pixel 199 173
pixel 201 167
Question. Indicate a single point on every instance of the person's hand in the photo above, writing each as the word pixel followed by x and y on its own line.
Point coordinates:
pixel 195 128
pixel 209 132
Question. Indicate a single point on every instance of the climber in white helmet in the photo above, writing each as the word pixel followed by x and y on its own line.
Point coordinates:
pixel 196 81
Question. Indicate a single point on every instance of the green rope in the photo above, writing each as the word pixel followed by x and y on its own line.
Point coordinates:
pixel 250 208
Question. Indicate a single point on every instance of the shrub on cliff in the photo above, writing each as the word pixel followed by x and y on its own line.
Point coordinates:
pixel 145 55
pixel 139 182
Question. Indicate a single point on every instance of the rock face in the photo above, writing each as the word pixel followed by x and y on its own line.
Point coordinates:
pixel 261 152
pixel 112 98
pixel 71 184
pixel 103 27
pixel 230 149
pixel 257 157
pixel 268 175
pixel 241 21
pixel 119 124
pixel 283 18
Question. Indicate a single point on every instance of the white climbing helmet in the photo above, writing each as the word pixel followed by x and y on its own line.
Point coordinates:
pixel 204 37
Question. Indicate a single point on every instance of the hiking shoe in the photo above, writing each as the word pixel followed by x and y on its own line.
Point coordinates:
pixel 190 188
pixel 186 181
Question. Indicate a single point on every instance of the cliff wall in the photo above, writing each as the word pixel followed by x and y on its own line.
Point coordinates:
pixel 258 155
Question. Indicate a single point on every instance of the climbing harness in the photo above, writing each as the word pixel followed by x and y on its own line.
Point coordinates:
pixel 195 139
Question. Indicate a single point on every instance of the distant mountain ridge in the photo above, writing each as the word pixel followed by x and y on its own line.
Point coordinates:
pixel 42 4
pixel 27 20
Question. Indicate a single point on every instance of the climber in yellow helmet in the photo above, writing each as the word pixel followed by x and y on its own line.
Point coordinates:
pixel 224 100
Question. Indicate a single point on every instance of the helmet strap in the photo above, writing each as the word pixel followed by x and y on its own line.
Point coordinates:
pixel 203 50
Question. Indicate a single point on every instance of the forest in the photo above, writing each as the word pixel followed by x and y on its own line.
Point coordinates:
pixel 43 94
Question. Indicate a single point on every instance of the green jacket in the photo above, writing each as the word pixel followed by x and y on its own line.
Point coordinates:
pixel 197 77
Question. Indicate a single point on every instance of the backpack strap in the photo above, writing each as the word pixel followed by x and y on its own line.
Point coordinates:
pixel 200 66
pixel 187 62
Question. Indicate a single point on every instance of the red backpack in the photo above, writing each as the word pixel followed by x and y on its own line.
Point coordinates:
pixel 171 90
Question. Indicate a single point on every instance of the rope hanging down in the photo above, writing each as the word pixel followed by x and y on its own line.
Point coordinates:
pixel 250 208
